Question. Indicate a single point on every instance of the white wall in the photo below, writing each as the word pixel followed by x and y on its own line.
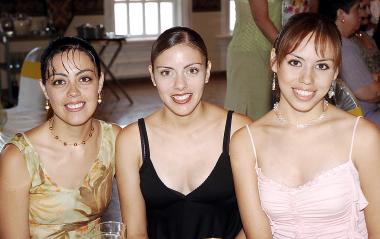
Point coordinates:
pixel 134 57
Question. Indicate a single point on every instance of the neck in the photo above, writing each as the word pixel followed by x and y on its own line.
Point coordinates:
pixel 341 29
pixel 71 134
pixel 187 121
pixel 287 115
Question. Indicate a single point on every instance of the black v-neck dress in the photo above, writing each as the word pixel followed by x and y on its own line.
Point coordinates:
pixel 209 211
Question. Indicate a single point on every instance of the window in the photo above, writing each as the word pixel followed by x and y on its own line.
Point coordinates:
pixel 232 15
pixel 140 18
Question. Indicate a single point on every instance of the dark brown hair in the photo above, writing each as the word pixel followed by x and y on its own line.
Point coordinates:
pixel 174 36
pixel 66 45
pixel 310 25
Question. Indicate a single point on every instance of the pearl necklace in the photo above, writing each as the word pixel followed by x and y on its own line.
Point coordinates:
pixel 283 120
pixel 89 135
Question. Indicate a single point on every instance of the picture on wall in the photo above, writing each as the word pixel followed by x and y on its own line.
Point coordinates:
pixel 206 5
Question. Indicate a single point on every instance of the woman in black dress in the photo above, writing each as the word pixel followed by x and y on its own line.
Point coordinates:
pixel 178 183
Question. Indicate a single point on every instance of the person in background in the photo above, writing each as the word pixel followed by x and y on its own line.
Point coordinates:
pixel 172 167
pixel 366 43
pixel 354 71
pixel 256 27
pixel 56 179
pixel 307 169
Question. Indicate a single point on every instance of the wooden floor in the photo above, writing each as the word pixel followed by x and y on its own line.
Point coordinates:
pixel 146 100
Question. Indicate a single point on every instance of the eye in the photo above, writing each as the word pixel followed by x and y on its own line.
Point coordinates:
pixel 322 66
pixel 165 73
pixel 85 79
pixel 295 63
pixel 193 70
pixel 58 82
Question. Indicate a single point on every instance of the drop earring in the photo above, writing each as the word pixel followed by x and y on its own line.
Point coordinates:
pixel 99 98
pixel 331 92
pixel 47 106
pixel 274 81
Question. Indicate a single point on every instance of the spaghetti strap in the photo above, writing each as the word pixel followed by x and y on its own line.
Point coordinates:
pixel 144 139
pixel 353 136
pixel 252 143
pixel 227 132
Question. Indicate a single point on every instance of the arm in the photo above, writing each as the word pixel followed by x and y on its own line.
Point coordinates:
pixel 255 222
pixel 356 74
pixel 128 162
pixel 14 194
pixel 370 92
pixel 366 155
pixel 260 14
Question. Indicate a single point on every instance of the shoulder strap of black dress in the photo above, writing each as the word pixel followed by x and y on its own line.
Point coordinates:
pixel 227 132
pixel 144 139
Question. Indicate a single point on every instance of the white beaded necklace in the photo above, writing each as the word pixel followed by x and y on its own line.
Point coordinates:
pixel 284 120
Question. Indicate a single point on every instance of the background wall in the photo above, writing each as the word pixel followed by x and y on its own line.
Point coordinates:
pixel 134 57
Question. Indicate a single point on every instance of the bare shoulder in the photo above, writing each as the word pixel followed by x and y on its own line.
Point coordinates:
pixel 240 120
pixel 367 138
pixel 10 152
pixel 13 165
pixel 128 146
pixel 129 133
pixel 116 128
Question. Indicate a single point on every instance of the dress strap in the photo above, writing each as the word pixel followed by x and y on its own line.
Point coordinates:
pixel 227 132
pixel 353 135
pixel 252 143
pixel 144 139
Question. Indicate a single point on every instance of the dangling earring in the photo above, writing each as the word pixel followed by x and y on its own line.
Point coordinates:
pixel 331 92
pixel 274 81
pixel 99 98
pixel 47 106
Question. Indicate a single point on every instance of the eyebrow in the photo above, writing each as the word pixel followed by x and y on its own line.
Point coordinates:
pixel 196 63
pixel 324 59
pixel 78 73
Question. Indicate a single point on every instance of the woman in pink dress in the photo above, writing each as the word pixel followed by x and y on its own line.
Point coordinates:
pixel 307 169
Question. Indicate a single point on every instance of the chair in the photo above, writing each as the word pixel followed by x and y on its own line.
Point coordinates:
pixel 29 111
pixel 345 99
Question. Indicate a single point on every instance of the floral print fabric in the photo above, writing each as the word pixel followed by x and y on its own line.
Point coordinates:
pixel 56 212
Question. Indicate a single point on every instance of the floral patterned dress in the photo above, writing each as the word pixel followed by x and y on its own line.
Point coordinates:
pixel 58 212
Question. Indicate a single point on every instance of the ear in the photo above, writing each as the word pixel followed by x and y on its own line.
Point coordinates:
pixel 208 72
pixel 340 15
pixel 273 60
pixel 150 68
pixel 101 82
pixel 336 73
pixel 43 88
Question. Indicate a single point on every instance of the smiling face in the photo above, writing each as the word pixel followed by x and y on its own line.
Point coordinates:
pixel 180 74
pixel 73 86
pixel 305 75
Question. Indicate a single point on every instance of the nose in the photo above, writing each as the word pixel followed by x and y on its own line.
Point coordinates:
pixel 180 82
pixel 73 90
pixel 307 76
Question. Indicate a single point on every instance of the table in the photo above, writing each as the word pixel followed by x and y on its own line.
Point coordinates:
pixel 28 42
pixel 105 41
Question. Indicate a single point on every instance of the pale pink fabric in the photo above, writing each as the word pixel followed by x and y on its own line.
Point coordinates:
pixel 329 206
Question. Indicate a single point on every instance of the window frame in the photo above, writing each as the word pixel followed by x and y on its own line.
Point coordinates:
pixel 180 15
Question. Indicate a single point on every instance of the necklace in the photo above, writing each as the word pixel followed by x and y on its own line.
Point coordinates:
pixel 89 135
pixel 283 120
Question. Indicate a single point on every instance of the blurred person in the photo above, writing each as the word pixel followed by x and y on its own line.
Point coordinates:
pixel 256 27
pixel 354 70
